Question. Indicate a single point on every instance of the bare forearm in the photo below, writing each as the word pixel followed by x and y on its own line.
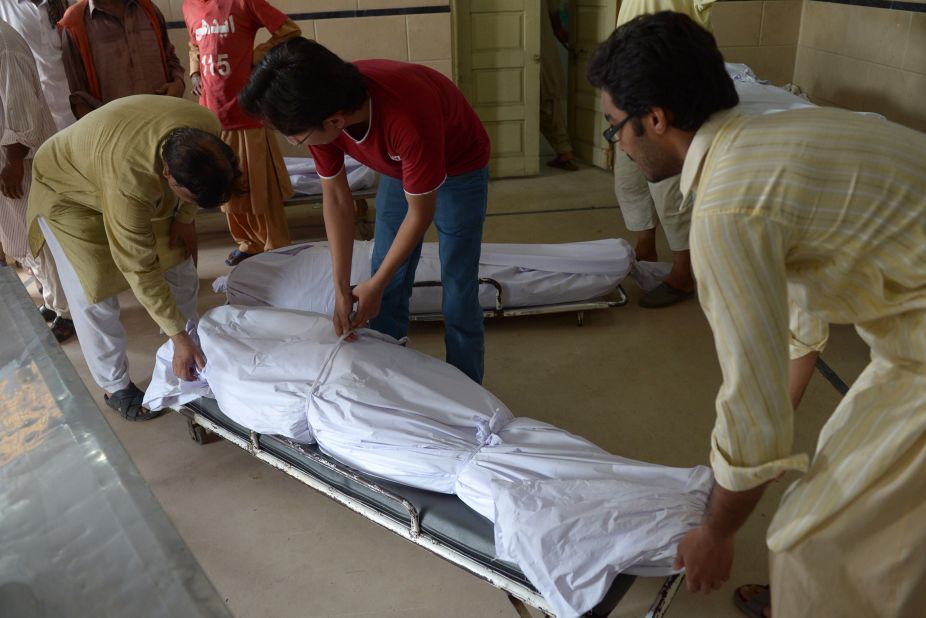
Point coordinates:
pixel 800 370
pixel 410 233
pixel 339 228
pixel 728 510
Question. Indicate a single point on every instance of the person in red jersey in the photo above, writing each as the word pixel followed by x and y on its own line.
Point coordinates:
pixel 414 126
pixel 222 53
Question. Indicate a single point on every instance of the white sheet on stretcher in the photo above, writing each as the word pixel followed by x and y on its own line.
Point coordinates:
pixel 399 414
pixel 306 180
pixel 299 277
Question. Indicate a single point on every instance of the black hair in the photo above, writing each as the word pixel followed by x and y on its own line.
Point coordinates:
pixel 299 84
pixel 202 164
pixel 664 60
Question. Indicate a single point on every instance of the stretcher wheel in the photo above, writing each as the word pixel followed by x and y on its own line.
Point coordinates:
pixel 199 434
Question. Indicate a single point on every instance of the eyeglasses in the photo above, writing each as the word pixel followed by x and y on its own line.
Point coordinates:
pixel 613 133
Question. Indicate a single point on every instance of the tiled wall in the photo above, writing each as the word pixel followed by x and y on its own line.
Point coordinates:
pixel 423 38
pixel 865 59
pixel 760 33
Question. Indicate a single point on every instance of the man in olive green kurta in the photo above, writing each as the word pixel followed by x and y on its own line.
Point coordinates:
pixel 115 195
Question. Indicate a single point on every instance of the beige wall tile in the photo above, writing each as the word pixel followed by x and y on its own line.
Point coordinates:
pixel 167 9
pixel 781 22
pixel 915 56
pixel 825 26
pixel 737 24
pixel 827 75
pixel 429 37
pixel 176 8
pixel 444 66
pixel 776 63
pixel 805 64
pixel 179 38
pixel 878 89
pixel 364 37
pixel 916 94
pixel 308 28
pixel 314 6
pixel 746 55
pixel 878 35
pixel 397 4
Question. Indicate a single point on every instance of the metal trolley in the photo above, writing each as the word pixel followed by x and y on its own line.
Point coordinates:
pixel 501 311
pixel 440 523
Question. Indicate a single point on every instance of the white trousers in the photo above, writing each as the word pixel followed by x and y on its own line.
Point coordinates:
pixel 641 202
pixel 102 338
pixel 15 239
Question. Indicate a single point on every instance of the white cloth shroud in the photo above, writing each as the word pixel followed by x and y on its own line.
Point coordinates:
pixel 306 181
pixel 401 415
pixel 299 277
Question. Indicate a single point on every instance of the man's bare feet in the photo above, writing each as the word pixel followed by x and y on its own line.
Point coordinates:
pixel 644 255
pixel 681 277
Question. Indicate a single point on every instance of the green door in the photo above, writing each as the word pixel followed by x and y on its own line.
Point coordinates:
pixel 498 69
pixel 591 22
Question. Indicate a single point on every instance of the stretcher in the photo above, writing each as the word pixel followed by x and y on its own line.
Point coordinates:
pixel 510 490
pixel 515 280
pixel 501 310
pixel 307 186
pixel 439 523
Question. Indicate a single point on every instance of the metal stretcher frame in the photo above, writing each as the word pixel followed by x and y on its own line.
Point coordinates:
pixel 363 226
pixel 501 311
pixel 402 518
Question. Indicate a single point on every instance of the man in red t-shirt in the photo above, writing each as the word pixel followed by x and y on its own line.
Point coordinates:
pixel 413 125
pixel 221 55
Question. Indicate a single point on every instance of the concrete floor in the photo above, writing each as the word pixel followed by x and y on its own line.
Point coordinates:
pixel 640 383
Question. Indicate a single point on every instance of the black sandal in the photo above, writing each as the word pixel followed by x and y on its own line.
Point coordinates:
pixel 753 600
pixel 128 403
pixel 237 256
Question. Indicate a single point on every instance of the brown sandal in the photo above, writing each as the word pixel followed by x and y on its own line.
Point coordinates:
pixel 563 164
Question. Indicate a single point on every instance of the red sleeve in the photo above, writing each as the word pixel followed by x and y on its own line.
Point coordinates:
pixel 329 160
pixel 268 16
pixel 420 143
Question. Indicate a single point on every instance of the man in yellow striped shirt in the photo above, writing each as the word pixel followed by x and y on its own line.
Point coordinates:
pixel 799 219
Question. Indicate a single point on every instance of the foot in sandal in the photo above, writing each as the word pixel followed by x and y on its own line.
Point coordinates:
pixel 128 403
pixel 754 600
pixel 564 162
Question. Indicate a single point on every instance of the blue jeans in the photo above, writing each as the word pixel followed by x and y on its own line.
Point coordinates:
pixel 460 213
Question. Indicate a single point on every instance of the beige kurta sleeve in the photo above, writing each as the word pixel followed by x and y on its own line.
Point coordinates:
pixel 127 220
pixel 26 119
pixel 808 332
pixel 739 265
